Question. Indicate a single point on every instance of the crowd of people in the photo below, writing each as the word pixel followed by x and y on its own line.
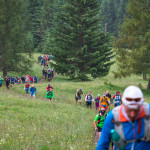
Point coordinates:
pixel 9 81
pixel 127 125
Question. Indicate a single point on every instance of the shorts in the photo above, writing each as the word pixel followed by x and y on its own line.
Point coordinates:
pixel 89 104
pixel 0 84
pixel 99 129
pixel 12 83
pixel 96 105
pixel 78 98
pixel 117 104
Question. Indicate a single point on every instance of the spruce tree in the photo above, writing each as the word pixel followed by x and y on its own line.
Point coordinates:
pixel 80 46
pixel 14 36
pixel 132 46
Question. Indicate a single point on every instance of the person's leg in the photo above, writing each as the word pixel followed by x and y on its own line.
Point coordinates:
pixel 90 105
pixel 99 132
pixel 80 102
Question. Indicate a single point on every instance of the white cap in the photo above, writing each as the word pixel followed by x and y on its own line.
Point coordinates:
pixel 132 92
pixel 98 95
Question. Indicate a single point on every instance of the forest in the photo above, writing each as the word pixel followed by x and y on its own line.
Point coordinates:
pixel 85 36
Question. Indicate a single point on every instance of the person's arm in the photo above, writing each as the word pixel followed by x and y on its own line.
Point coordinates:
pixel 76 94
pixel 105 138
pixel 95 122
pixel 35 90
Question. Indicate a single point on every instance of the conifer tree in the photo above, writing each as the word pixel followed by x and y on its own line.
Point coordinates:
pixel 14 36
pixel 132 46
pixel 80 46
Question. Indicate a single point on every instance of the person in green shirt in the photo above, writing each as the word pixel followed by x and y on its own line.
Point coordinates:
pixel 1 81
pixel 78 95
pixel 50 94
pixel 99 121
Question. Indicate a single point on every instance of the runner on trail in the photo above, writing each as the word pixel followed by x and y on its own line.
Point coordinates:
pixel 50 94
pixel 99 121
pixel 97 101
pixel 12 81
pixel 117 99
pixel 31 79
pixel 104 101
pixel 1 81
pixel 89 99
pixel 7 81
pixel 35 79
pixel 49 77
pixel 27 78
pixel 16 80
pixel 78 95
pixel 23 78
pixel 109 96
pixel 128 125
pixel 26 87
pixel 49 87
pixel 32 90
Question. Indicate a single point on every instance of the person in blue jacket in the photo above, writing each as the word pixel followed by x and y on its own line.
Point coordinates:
pixel 32 90
pixel 127 125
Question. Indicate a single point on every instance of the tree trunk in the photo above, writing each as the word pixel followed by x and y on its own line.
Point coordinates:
pixel 144 76
pixel 148 86
pixel 4 71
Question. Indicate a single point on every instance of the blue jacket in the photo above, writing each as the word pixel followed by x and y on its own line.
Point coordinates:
pixel 128 128
pixel 32 90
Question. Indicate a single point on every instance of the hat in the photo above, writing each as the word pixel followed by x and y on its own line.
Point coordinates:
pixel 98 95
pixel 104 94
pixel 80 89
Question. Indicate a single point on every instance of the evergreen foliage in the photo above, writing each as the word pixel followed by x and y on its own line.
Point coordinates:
pixel 133 44
pixel 113 12
pixel 34 9
pixel 15 37
pixel 80 46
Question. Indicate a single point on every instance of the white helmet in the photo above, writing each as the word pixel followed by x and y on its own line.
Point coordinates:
pixel 132 93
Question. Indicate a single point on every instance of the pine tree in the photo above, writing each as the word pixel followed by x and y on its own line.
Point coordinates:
pixel 80 46
pixel 14 35
pixel 133 50
pixel 34 9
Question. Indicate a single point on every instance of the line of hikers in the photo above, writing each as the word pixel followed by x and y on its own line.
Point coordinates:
pixel 106 100
pixel 48 74
pixel 11 80
pixel 44 59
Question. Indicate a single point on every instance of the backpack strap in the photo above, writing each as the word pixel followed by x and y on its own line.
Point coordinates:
pixel 117 124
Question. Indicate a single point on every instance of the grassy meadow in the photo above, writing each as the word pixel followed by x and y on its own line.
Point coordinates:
pixel 36 124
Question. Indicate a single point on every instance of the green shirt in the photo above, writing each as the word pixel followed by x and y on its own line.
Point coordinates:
pixel 49 94
pixel 101 121
pixel 1 80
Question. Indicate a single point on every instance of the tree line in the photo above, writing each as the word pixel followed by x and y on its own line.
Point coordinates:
pixel 79 33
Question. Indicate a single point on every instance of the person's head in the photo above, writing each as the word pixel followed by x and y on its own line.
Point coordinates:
pixel 32 86
pixel 102 111
pixel 49 85
pixel 107 92
pixel 98 95
pixel 89 92
pixel 80 89
pixel 132 100
pixel 0 77
pixel 117 92
pixel 104 95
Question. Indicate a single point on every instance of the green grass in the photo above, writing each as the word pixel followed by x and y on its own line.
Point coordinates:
pixel 34 123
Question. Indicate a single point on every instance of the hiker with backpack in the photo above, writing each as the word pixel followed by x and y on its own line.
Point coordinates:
pixel 117 99
pixel 97 101
pixel 128 125
pixel 99 121
pixel 50 94
pixel 1 81
pixel 89 99
pixel 26 87
pixel 78 95
pixel 32 91
pixel 12 81
pixel 104 101
pixel 7 81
